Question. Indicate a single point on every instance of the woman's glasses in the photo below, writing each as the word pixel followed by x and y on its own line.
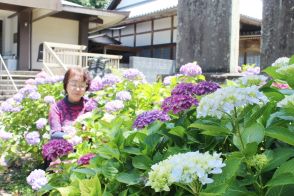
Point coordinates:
pixel 76 84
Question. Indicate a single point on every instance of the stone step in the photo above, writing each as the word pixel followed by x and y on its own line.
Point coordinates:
pixel 20 72
pixel 10 86
pixel 17 76
pixel 17 81
pixel 5 97
pixel 8 92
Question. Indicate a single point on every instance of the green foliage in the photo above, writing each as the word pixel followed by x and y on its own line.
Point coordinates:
pixel 91 3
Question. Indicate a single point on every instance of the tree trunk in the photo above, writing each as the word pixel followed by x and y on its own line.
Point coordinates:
pixel 277 30
pixel 208 32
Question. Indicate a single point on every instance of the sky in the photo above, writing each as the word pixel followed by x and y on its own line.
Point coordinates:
pixel 251 8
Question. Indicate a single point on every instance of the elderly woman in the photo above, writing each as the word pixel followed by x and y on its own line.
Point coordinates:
pixel 63 113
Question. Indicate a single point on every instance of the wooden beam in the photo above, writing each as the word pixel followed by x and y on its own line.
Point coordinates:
pixel 39 14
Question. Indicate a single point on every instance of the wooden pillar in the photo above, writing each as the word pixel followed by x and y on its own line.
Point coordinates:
pixel 83 31
pixel 24 39
pixel 208 32
pixel 277 30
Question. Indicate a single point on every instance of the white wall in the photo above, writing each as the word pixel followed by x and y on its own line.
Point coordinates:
pixel 143 39
pixel 52 29
pixel 162 37
pixel 143 27
pixel 162 23
pixel 127 41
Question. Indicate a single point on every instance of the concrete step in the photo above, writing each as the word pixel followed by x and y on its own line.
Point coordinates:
pixel 10 86
pixel 20 72
pixel 4 97
pixel 17 76
pixel 17 81
pixel 8 92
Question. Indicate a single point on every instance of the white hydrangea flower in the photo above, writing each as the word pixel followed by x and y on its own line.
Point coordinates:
pixel 197 166
pixel 37 179
pixel 287 102
pixel 224 101
pixel 282 61
pixel 251 80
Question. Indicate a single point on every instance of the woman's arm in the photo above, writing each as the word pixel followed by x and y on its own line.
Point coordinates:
pixel 54 119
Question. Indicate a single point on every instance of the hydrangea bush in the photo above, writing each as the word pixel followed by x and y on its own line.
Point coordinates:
pixel 183 136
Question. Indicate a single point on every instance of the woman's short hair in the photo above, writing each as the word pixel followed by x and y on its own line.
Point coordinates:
pixel 76 70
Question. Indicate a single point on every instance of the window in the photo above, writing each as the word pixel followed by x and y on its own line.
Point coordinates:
pixel 145 52
pixel 162 53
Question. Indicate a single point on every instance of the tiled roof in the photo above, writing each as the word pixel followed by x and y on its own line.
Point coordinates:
pixel 150 7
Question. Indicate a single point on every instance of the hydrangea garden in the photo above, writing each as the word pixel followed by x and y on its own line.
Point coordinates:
pixel 182 136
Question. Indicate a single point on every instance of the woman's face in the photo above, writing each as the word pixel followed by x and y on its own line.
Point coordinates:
pixel 76 87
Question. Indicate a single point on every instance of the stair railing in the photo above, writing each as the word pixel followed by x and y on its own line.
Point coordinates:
pixel 68 55
pixel 3 65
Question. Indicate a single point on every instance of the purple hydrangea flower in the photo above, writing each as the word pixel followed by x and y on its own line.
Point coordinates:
pixel 252 71
pixel 205 87
pixel 42 74
pixel 41 123
pixel 191 69
pixel 91 105
pixel 37 179
pixel 184 89
pixel 49 99
pixel 123 95
pixel 96 84
pixel 109 80
pixel 56 148
pixel 114 106
pixel 34 95
pixel 85 159
pixel 5 135
pixel 18 97
pixel 178 103
pixel 149 117
pixel 33 138
pixel 133 74
pixel 27 89
pixel 30 81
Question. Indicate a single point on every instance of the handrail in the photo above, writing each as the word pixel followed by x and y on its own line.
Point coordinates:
pixel 7 71
pixel 61 55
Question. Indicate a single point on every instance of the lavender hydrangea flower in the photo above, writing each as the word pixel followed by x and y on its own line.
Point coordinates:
pixel 109 80
pixel 56 148
pixel 85 159
pixel 5 135
pixel 123 95
pixel 42 74
pixel 49 99
pixel 96 84
pixel 133 74
pixel 18 97
pixel 34 95
pixel 37 179
pixel 149 117
pixel 41 123
pixel 33 138
pixel 91 105
pixel 40 81
pixel 27 89
pixel 191 69
pixel 251 71
pixel 205 87
pixel 178 103
pixel 30 81
pixel 114 106
pixel 184 89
